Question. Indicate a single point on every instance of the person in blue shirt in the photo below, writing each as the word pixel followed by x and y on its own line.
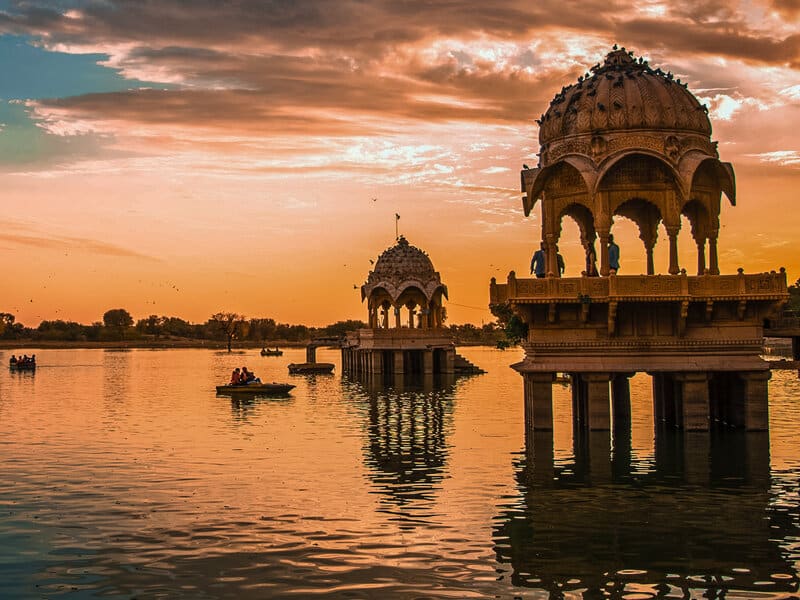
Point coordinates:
pixel 538 267
pixel 613 256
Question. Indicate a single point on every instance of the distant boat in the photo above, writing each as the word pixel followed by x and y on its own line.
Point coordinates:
pixel 22 367
pixel 309 367
pixel 271 352
pixel 264 389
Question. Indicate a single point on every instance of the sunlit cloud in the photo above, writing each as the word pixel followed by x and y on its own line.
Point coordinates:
pixel 786 158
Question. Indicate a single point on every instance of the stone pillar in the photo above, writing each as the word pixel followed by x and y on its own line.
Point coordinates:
pixel 397 356
pixel 713 260
pixel 311 353
pixel 397 317
pixel 701 257
pixel 449 365
pixel 538 401
pixel 598 401
pixel 427 362
pixel 621 401
pixel 604 268
pixel 756 405
pixel 377 362
pixel 694 397
pixel 651 267
pixel 672 232
pixel 796 348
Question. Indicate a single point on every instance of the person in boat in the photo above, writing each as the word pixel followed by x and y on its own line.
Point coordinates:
pixel 249 377
pixel 33 360
pixel 13 361
pixel 235 377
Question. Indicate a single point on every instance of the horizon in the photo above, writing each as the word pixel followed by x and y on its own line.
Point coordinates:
pixel 160 165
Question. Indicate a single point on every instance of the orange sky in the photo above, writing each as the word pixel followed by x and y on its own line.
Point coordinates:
pixel 251 159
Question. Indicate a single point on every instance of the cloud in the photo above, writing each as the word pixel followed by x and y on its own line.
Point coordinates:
pixel 17 234
pixel 787 158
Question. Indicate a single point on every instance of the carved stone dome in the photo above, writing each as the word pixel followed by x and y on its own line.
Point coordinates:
pixel 400 267
pixel 402 260
pixel 623 94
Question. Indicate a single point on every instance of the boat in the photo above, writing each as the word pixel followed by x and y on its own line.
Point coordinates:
pixel 22 367
pixel 263 389
pixel 309 367
pixel 271 352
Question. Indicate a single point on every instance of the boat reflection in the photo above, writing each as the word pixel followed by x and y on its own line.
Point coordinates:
pixel 408 420
pixel 700 521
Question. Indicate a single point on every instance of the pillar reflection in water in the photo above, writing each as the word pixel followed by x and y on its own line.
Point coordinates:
pixel 406 451
pixel 702 523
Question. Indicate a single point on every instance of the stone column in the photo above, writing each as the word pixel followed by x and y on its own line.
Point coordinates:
pixel 397 356
pixel 756 405
pixel 449 365
pixel 701 257
pixel 694 396
pixel 604 268
pixel 621 401
pixel 427 362
pixel 713 260
pixel 538 401
pixel 672 232
pixel 377 362
pixel 598 401
pixel 651 267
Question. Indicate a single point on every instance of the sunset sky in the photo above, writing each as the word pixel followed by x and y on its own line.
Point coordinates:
pixel 182 158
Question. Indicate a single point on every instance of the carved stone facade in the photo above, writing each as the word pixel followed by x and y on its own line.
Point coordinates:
pixel 630 141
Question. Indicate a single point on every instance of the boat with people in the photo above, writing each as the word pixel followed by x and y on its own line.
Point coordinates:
pixel 270 352
pixel 263 389
pixel 23 363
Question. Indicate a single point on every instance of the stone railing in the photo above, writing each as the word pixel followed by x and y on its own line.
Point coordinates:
pixel 631 288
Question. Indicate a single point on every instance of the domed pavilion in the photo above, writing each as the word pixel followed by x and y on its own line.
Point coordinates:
pixel 627 140
pixel 404 295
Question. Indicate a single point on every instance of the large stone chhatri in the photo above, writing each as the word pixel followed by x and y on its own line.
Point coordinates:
pixel 630 141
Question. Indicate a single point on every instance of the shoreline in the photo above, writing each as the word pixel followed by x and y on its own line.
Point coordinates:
pixel 161 345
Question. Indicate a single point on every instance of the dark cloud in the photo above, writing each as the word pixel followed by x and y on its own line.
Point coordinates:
pixel 298 66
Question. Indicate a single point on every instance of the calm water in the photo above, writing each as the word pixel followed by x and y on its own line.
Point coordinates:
pixel 124 475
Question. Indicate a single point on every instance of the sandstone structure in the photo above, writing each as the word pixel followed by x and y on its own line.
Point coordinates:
pixel 630 141
pixel 404 295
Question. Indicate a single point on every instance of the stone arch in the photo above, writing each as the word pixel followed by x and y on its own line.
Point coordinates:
pixel 413 299
pixel 702 223
pixel 645 177
pixel 647 217
pixel 584 218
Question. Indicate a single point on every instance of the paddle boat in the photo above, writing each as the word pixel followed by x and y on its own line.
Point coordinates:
pixel 271 352
pixel 310 367
pixel 261 389
pixel 22 366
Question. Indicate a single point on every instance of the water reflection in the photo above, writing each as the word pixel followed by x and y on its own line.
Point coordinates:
pixel 245 407
pixel 701 521
pixel 408 421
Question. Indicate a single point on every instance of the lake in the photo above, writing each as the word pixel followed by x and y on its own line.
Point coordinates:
pixel 124 475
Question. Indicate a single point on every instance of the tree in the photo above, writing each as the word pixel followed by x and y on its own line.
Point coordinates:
pixel 230 324
pixel 152 325
pixel 794 297
pixel 262 329
pixel 118 319
pixel 6 321
pixel 515 328
pixel 340 328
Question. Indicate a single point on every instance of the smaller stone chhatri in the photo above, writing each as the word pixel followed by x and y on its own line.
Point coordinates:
pixel 404 295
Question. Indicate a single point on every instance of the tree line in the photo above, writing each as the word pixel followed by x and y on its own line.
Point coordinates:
pixel 118 325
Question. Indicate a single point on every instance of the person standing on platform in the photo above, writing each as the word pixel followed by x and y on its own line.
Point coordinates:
pixel 538 266
pixel 613 256
pixel 561 265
